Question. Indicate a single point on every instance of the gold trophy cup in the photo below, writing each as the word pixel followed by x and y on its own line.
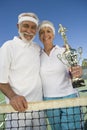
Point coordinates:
pixel 72 56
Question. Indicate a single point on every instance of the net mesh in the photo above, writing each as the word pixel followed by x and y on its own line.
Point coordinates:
pixel 66 114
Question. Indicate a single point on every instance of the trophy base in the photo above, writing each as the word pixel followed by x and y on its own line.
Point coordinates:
pixel 79 82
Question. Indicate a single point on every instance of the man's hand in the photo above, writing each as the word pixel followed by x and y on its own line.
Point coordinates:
pixel 19 103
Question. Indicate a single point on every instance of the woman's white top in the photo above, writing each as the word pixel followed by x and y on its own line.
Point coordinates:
pixel 55 74
pixel 20 67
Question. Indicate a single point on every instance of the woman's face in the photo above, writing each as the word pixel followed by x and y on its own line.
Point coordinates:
pixel 46 35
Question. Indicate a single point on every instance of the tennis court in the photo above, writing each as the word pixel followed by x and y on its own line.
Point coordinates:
pixel 36 113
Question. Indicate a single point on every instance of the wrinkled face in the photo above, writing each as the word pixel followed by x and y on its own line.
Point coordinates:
pixel 46 35
pixel 27 30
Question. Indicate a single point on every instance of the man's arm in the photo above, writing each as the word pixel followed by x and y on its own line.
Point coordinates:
pixel 18 102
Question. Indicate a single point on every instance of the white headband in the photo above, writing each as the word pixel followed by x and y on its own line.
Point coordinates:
pixel 47 25
pixel 27 18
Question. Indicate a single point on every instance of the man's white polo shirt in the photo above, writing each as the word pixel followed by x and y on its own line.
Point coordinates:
pixel 20 65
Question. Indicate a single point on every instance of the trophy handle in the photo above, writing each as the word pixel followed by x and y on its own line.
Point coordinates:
pixel 80 51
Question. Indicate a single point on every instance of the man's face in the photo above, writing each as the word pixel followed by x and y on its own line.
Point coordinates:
pixel 27 30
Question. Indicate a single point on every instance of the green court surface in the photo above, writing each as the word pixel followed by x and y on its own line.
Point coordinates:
pixel 83 90
pixel 2 101
pixel 2 98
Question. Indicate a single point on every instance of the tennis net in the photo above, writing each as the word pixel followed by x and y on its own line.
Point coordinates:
pixel 66 114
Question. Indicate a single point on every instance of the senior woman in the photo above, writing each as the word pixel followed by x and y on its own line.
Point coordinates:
pixel 56 80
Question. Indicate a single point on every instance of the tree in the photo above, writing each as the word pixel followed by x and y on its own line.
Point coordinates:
pixel 84 63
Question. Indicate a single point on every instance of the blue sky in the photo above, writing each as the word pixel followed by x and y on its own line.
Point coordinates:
pixel 72 14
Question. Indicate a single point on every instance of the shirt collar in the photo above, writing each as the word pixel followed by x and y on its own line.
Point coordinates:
pixel 21 42
pixel 59 49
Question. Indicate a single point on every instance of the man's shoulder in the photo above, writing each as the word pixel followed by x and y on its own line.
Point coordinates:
pixel 7 43
pixel 36 45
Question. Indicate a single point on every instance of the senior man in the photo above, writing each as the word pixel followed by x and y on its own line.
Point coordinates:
pixel 19 71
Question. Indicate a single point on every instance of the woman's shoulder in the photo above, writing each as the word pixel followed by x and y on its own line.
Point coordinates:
pixel 59 49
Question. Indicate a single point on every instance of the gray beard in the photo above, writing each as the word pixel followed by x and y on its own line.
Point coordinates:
pixel 24 39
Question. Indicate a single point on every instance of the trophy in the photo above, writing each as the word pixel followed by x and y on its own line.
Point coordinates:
pixel 72 56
